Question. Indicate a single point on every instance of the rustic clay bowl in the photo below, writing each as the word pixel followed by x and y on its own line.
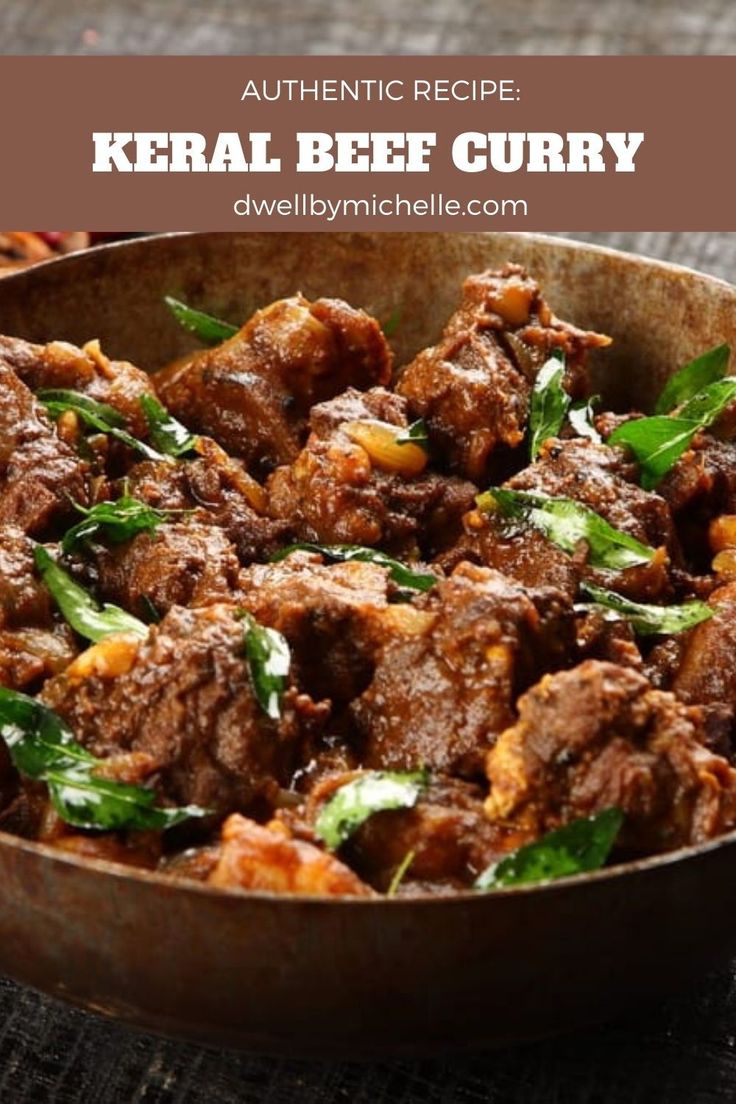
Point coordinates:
pixel 362 977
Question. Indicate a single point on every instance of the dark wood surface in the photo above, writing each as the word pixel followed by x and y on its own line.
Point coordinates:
pixel 683 1051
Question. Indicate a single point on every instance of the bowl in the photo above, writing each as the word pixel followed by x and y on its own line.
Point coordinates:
pixel 365 977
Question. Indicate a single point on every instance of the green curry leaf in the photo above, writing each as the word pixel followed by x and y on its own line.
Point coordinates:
pixel 693 377
pixel 659 442
pixel 42 747
pixel 415 434
pixel 566 523
pixel 205 327
pixel 95 415
pixel 401 574
pixel 648 620
pixel 83 613
pixel 269 661
pixel 371 792
pixel 168 435
pixel 549 405
pixel 581 417
pixel 114 522
pixel 580 846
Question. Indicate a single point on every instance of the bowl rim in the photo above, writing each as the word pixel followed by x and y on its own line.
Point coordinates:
pixel 121 872
pixel 565 244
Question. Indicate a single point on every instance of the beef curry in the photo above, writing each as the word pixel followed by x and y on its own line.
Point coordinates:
pixel 285 616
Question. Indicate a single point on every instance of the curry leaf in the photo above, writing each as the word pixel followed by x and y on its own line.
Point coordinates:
pixel 42 747
pixel 95 415
pixel 85 616
pixel 345 553
pixel 578 847
pixel 581 418
pixel 115 522
pixel 709 404
pixel 658 442
pixel 59 400
pixel 691 379
pixel 269 660
pixel 566 523
pixel 371 792
pixel 168 435
pixel 648 620
pixel 208 329
pixel 414 434
pixel 549 405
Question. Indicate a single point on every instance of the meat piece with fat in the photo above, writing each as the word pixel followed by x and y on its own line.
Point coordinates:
pixel 706 658
pixel 599 478
pixel 253 393
pixel 446 682
pixel 34 643
pixel 445 840
pixel 185 697
pixel 268 859
pixel 473 388
pixel 40 475
pixel 184 563
pixel 335 617
pixel 600 736
pixel 353 484
pixel 88 370
pixel 220 491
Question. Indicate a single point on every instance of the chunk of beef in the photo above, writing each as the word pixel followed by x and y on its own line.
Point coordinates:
pixel 700 487
pixel 332 615
pixel 663 661
pixel 30 655
pixel 599 736
pixel 445 686
pixel 60 365
pixel 25 808
pixel 342 489
pixel 706 672
pixel 185 697
pixel 40 475
pixel 600 638
pixel 186 563
pixel 472 397
pixel 600 478
pixel 24 600
pixel 509 301
pixel 222 493
pixel 473 388
pixel 699 667
pixel 267 859
pixel 33 645
pixel 447 834
pixel 254 392
pixel 526 556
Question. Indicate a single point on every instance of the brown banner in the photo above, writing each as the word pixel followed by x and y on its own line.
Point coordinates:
pixel 382 143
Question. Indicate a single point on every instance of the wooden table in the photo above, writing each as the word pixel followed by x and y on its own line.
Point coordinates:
pixel 683 1051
